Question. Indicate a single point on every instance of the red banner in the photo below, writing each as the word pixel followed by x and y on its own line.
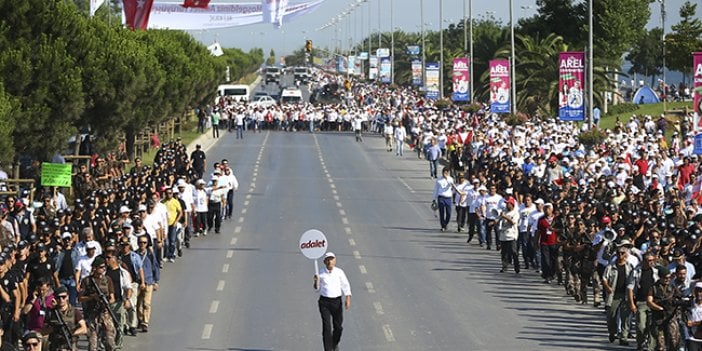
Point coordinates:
pixel 136 13
pixel 697 79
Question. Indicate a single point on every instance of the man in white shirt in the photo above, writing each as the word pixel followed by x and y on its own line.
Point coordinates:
pixel 523 242
pixel 400 135
pixel 232 184
pixel 443 197
pixel 494 203
pixel 186 194
pixel 200 207
pixel 332 284
pixel 509 219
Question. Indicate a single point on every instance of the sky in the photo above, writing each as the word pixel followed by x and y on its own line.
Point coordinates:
pixel 406 16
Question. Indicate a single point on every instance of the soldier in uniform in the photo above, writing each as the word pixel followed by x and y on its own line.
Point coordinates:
pixel 660 299
pixel 570 237
pixel 585 265
pixel 73 319
pixel 97 313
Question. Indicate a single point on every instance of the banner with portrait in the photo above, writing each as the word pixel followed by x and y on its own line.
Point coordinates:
pixel 385 70
pixel 432 80
pixel 416 72
pixel 460 79
pixel 499 86
pixel 571 81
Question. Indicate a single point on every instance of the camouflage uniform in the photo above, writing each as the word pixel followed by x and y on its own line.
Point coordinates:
pixel 57 341
pixel 96 315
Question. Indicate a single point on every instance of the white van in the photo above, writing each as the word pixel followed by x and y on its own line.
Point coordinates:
pixel 290 96
pixel 238 92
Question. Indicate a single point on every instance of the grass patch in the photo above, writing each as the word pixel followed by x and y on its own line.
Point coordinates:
pixel 188 133
pixel 248 79
pixel 655 110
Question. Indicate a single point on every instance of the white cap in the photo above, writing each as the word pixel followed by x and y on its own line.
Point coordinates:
pixel 482 187
pixel 181 182
pixel 539 201
pixel 142 207
pixel 329 254
pixel 201 181
pixel 66 235
pixel 92 244
pixel 175 190
pixel 124 209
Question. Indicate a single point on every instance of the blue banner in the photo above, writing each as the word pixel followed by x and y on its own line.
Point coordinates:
pixel 697 147
pixel 342 64
pixel 416 72
pixel 432 80
pixel 385 70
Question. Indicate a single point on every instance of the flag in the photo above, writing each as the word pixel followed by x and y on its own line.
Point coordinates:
pixel 196 3
pixel 94 6
pixel 136 13
pixel 215 49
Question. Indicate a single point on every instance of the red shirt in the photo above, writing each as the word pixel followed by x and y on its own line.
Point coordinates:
pixel 685 170
pixel 642 164
pixel 547 236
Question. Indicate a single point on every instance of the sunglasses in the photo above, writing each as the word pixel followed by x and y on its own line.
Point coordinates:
pixel 31 344
pixel 62 297
pixel 143 242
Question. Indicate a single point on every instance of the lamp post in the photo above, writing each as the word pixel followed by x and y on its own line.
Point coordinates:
pixel 380 40
pixel 665 94
pixel 441 49
pixel 421 29
pixel 512 70
pixel 590 80
pixel 392 47
pixel 470 18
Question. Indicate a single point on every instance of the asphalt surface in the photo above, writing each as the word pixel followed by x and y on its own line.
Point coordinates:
pixel 414 287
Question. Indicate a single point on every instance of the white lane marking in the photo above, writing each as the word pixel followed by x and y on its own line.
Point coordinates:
pixel 248 196
pixel 336 197
pixel 255 174
pixel 230 253
pixel 362 268
pixel 378 308
pixel 241 219
pixel 234 240
pixel 357 255
pixel 352 242
pixel 330 180
pixel 342 212
pixel 214 306
pixel 246 203
pixel 334 192
pixel 388 333
pixel 370 288
pixel 237 229
pixel 332 185
pixel 406 185
pixel 220 285
pixel 253 185
pixel 207 331
pixel 257 162
pixel 338 204
pixel 243 211
pixel 253 179
pixel 344 220
pixel 225 268
pixel 251 190
pixel 347 230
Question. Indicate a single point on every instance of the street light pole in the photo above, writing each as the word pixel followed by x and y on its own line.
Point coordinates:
pixel 380 40
pixel 392 47
pixel 470 18
pixel 441 49
pixel 665 95
pixel 424 56
pixel 512 70
pixel 590 63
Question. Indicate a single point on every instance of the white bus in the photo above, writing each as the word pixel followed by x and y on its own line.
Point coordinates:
pixel 238 92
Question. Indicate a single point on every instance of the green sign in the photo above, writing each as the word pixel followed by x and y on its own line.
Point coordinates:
pixel 56 174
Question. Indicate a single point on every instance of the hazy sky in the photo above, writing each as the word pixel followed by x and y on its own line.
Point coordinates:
pixel 406 16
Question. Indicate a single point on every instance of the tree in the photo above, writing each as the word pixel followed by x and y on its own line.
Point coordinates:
pixel 646 56
pixel 618 25
pixel 561 17
pixel 271 58
pixel 7 125
pixel 685 39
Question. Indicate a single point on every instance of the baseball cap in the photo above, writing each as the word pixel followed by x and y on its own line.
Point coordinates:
pixel 124 209
pixel 66 235
pixel 92 245
pixel 31 335
pixel 606 220
pixel 181 182
pixel 511 200
pixel 539 201
pixel 329 254
pixel 99 260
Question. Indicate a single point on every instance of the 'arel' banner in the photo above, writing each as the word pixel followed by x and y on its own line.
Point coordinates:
pixel 697 81
pixel 432 80
pixel 460 79
pixel 499 86
pixel 385 70
pixel 571 78
pixel 416 72
pixel 171 15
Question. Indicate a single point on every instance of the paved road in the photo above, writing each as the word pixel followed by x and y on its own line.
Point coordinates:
pixel 414 288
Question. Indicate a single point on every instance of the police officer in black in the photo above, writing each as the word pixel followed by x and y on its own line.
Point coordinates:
pixel 70 316
pixel 199 161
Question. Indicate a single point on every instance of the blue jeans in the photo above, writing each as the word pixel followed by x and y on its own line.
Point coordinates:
pixel 72 293
pixel 481 231
pixel 239 132
pixel 444 211
pixel 400 145
pixel 432 167
pixel 171 241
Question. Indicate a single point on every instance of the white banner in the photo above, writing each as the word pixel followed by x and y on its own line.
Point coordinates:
pixel 216 50
pixel 94 6
pixel 170 15
pixel 273 11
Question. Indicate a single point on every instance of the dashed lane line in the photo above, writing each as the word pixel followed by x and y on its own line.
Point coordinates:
pixel 370 288
pixel 214 306
pixel 234 240
pixel 225 268
pixel 243 211
pixel 352 242
pixel 207 331
pixel 230 253
pixel 378 308
pixel 342 212
pixel 237 229
pixel 347 230
pixel 220 285
pixel 241 219
pixel 344 220
pixel 362 268
pixel 388 333
pixel 357 255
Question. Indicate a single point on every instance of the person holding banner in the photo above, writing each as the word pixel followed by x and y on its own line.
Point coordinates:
pixel 331 282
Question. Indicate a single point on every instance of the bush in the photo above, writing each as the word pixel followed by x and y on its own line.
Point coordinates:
pixel 442 104
pixel 515 120
pixel 626 107
pixel 471 108
pixel 592 137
